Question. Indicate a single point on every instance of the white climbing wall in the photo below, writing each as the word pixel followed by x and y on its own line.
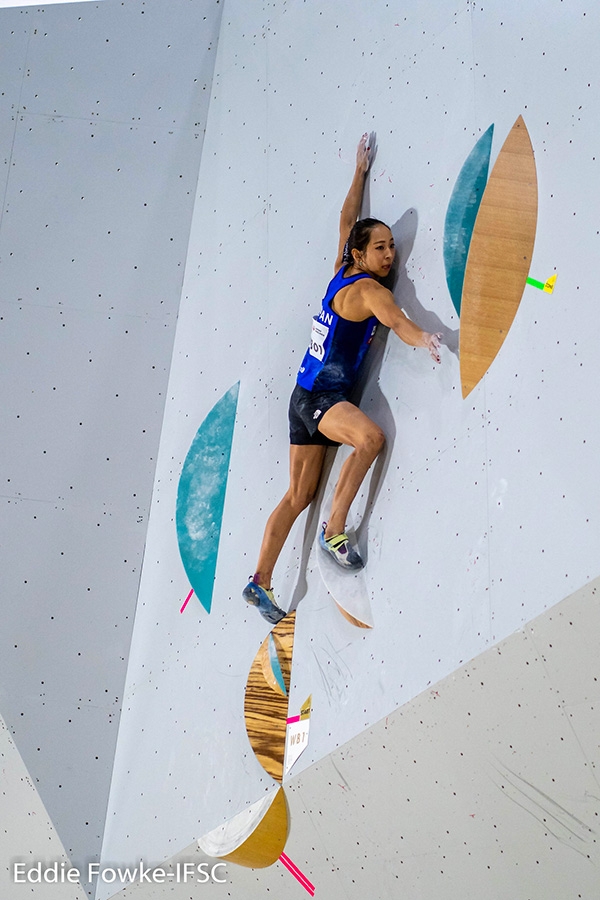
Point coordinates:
pixel 487 516
pixel 468 535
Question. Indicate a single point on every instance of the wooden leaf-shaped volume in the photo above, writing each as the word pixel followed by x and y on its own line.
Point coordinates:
pixel 499 256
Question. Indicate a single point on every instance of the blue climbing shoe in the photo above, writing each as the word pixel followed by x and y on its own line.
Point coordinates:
pixel 340 548
pixel 262 598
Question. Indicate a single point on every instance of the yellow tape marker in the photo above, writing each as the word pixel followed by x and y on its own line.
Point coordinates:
pixel 547 286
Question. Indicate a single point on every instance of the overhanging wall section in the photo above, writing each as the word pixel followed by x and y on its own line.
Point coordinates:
pixel 101 128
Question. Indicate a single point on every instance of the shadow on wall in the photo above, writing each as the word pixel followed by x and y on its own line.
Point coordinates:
pixel 405 231
pixel 376 406
pixel 403 288
pixel 310 530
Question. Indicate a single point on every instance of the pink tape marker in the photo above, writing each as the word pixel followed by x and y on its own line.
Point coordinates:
pixel 187 600
pixel 293 719
pixel 291 867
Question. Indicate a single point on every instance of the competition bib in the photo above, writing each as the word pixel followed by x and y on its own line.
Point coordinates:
pixel 317 340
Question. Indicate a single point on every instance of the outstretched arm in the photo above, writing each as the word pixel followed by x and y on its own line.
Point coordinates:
pixel 353 202
pixel 381 304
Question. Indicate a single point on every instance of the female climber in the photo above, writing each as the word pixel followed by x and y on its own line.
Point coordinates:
pixel 320 413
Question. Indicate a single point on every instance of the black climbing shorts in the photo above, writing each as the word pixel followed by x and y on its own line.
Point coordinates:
pixel 306 409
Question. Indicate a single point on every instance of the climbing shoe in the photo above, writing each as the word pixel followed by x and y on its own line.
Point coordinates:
pixel 263 599
pixel 340 548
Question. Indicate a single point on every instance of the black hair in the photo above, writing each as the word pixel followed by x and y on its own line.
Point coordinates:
pixel 359 237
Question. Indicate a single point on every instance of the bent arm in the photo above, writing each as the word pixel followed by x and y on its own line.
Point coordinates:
pixel 353 202
pixel 381 303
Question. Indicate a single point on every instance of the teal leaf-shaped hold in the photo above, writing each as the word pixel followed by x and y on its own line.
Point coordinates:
pixel 276 665
pixel 201 496
pixel 462 212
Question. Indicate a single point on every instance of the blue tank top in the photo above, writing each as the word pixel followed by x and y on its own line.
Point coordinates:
pixel 337 345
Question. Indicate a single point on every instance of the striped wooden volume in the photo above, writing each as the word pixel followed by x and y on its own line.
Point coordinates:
pixel 265 706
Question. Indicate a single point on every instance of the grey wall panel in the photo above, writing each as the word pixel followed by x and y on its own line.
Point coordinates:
pixel 124 62
pixel 103 205
pixel 102 167
pixel 89 392
pixel 6 4
pixel 485 785
pixel 27 834
pixel 63 656
pixel 15 40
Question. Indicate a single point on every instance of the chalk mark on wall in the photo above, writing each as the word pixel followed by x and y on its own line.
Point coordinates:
pixel 567 828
